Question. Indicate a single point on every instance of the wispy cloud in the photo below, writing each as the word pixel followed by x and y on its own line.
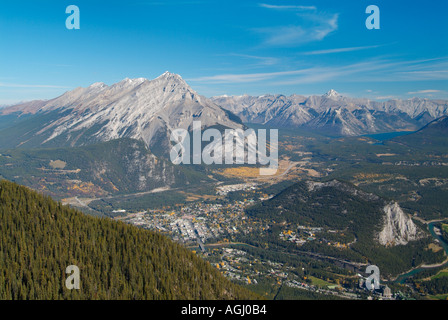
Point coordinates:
pixel 296 35
pixel 381 70
pixel 313 26
pixel 425 91
pixel 296 8
pixel 333 73
pixel 248 77
pixel 339 50
pixel 264 61
pixel 425 75
pixel 300 76
pixel 385 98
pixel 366 71
pixel 428 69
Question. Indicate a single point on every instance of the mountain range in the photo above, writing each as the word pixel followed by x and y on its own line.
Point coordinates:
pixel 103 140
pixel 140 114
pixel 148 110
pixel 141 109
pixel 334 114
pixel 433 136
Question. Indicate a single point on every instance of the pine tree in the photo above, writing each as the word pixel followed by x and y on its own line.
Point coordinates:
pixel 39 238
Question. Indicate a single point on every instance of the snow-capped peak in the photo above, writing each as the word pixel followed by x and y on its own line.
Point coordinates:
pixel 139 80
pixel 136 108
pixel 128 83
pixel 133 81
pixel 332 94
pixel 98 85
pixel 169 75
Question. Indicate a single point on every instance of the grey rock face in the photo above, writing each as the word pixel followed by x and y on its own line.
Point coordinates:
pixel 333 113
pixel 398 228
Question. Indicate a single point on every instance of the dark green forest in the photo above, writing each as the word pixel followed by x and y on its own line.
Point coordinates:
pixel 39 238
pixel 358 215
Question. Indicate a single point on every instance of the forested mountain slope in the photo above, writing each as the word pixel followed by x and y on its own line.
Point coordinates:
pixel 39 238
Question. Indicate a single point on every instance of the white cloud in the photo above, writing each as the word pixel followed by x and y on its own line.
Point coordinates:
pixel 300 76
pixel 250 77
pixel 339 50
pixel 277 7
pixel 378 70
pixel 313 26
pixel 385 98
pixel 425 91
pixel 264 61
pixel 349 72
pixel 424 75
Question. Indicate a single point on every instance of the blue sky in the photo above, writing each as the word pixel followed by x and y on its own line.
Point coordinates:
pixel 227 46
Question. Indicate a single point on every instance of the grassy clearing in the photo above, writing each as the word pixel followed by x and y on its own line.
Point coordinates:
pixel 441 274
pixel 319 282
pixel 439 297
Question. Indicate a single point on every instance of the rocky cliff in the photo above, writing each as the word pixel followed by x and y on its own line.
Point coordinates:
pixel 398 228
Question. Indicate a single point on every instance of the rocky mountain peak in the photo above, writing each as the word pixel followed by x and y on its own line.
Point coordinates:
pixel 98 85
pixel 171 77
pixel 398 227
pixel 332 94
pixel 141 109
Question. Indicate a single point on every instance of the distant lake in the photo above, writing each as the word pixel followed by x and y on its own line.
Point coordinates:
pixel 388 135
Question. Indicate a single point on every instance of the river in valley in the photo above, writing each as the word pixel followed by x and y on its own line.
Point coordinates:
pixel 402 278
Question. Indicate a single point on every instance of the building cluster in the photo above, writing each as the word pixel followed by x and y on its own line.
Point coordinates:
pixel 224 190
pixel 383 292
pixel 190 223
pixel 209 226
pixel 304 234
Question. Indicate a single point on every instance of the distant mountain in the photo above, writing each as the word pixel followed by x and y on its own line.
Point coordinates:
pixel 40 238
pixel 120 166
pixel 340 121
pixel 132 108
pixel 110 139
pixel 433 135
pixel 335 114
pixel 439 125
pixel 332 94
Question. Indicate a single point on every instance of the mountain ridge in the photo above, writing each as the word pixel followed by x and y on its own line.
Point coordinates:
pixel 149 110
pixel 335 114
pixel 138 108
